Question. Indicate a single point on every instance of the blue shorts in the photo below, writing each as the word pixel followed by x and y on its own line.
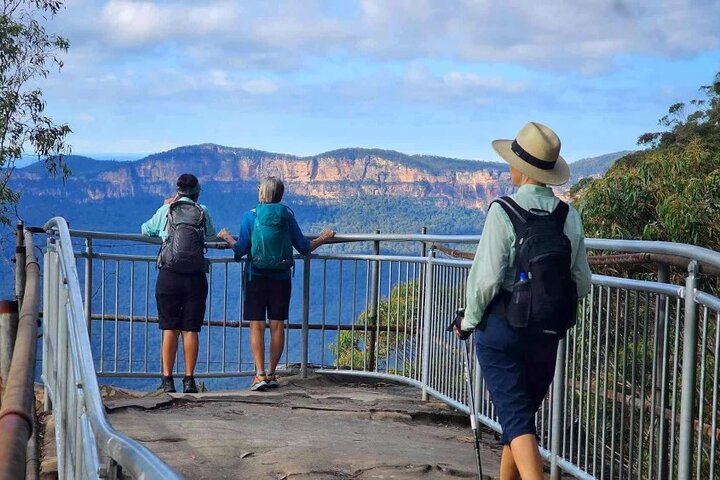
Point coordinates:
pixel 518 370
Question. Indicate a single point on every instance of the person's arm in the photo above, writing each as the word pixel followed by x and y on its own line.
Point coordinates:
pixel 241 246
pixel 210 232
pixel 321 239
pixel 300 242
pixel 580 267
pixel 156 224
pixel 488 269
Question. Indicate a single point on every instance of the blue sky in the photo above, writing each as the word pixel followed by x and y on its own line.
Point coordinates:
pixel 419 76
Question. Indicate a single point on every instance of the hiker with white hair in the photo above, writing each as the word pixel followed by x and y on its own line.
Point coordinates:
pixel 529 270
pixel 268 234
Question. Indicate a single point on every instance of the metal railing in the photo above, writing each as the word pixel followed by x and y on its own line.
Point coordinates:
pixel 636 387
pixel 88 446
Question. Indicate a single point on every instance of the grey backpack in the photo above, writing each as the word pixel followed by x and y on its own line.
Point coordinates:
pixel 184 249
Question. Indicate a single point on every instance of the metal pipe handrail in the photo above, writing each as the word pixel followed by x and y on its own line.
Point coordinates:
pixel 16 416
pixel 345 237
pixel 673 291
pixel 704 255
pixel 620 245
pixel 133 457
pixel 707 300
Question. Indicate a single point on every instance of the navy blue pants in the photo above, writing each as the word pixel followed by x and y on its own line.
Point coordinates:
pixel 518 370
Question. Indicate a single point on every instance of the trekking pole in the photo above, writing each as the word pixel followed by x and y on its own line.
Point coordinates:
pixel 471 395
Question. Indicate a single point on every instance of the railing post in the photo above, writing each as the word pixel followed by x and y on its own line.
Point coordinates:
pixel 558 411
pixel 47 361
pixel 305 316
pixel 687 394
pixel 373 318
pixel 19 264
pixel 663 465
pixel 426 324
pixel 88 284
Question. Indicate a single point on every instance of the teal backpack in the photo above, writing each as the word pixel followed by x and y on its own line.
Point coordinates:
pixel 271 246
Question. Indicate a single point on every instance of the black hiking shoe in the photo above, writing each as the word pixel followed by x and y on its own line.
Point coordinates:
pixel 168 385
pixel 189 385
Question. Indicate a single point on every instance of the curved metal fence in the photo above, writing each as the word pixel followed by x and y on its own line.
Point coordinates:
pixel 88 446
pixel 636 386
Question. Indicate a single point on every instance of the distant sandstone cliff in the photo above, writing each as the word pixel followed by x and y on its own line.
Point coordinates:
pixel 327 177
pixel 330 176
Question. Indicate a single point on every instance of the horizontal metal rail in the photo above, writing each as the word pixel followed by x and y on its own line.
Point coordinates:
pixel 692 252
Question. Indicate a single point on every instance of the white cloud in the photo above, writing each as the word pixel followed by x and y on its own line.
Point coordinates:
pixel 556 34
pixel 259 86
pixel 471 81
pixel 420 83
pixel 553 33
pixel 86 117
pixel 128 23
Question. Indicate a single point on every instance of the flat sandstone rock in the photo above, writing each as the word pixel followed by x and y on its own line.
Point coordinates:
pixel 320 428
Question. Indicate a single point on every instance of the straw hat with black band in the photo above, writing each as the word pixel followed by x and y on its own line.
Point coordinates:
pixel 536 153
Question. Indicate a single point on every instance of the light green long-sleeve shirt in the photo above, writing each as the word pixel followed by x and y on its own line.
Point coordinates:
pixel 157 225
pixel 493 268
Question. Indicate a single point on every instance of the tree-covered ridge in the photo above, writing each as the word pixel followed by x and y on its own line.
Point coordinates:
pixel 594 166
pixel 214 152
pixel 431 163
pixel 671 190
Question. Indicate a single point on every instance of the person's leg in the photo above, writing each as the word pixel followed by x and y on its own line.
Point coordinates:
pixel 168 296
pixel 500 353
pixel 527 457
pixel 193 313
pixel 277 343
pixel 257 344
pixel 169 350
pixel 508 469
pixel 278 309
pixel 191 346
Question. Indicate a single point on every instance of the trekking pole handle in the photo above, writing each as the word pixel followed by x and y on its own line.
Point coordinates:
pixel 460 312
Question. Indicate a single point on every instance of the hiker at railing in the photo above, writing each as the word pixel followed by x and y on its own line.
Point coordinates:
pixel 182 286
pixel 268 234
pixel 522 291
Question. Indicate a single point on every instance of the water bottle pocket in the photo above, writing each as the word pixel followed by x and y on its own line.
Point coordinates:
pixel 518 309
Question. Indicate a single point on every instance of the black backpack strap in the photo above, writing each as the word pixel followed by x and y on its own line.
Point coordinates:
pixel 517 215
pixel 560 214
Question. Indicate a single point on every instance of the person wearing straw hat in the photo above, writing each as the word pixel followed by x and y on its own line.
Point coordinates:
pixel 518 364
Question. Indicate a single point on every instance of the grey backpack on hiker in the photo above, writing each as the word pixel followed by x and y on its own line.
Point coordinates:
pixel 184 249
pixel 544 297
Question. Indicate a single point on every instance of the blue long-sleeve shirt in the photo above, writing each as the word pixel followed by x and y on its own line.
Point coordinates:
pixel 243 245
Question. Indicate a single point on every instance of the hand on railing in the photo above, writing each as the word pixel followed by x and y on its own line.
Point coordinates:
pixel 324 236
pixel 225 235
